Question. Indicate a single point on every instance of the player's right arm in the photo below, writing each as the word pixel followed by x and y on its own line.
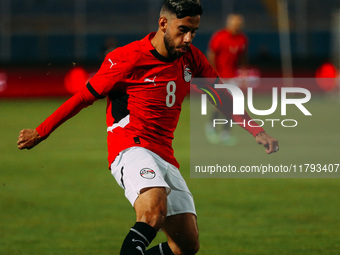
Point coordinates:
pixel 28 138
pixel 115 67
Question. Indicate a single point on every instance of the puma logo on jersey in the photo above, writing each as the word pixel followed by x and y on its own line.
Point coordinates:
pixel 112 64
pixel 149 80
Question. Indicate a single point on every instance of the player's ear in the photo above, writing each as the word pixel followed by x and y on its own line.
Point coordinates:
pixel 163 24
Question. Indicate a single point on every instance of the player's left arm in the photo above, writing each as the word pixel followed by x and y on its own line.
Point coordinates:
pixel 204 69
pixel 261 137
pixel 271 144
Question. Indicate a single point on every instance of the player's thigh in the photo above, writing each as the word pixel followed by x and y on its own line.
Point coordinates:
pixel 182 233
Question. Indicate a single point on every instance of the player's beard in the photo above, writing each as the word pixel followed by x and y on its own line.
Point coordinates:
pixel 171 48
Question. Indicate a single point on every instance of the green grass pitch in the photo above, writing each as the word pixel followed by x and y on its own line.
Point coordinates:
pixel 59 198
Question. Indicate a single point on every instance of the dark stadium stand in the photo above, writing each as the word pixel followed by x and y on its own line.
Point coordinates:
pixel 46 30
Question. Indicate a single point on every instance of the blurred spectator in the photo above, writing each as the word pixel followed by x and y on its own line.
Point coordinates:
pixel 227 53
pixel 228 47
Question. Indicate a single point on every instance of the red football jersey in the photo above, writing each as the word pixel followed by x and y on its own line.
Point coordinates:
pixel 144 92
pixel 227 48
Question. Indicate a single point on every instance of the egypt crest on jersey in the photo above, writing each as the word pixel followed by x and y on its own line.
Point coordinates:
pixel 187 74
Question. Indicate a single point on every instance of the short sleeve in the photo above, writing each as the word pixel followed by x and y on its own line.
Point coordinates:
pixel 113 70
pixel 203 69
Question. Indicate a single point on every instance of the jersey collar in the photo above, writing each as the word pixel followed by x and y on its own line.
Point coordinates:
pixel 154 52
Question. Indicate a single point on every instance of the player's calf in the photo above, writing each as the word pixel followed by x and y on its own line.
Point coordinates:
pixel 182 233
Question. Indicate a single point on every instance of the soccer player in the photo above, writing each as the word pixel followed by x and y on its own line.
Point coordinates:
pixel 227 51
pixel 145 83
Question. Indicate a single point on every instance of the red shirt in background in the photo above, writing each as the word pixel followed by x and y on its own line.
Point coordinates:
pixel 227 48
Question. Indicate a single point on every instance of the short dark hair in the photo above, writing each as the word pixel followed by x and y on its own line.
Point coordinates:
pixel 182 8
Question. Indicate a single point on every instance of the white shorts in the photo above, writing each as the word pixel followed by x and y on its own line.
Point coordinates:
pixel 137 168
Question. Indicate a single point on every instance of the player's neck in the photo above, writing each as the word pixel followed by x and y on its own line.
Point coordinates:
pixel 158 43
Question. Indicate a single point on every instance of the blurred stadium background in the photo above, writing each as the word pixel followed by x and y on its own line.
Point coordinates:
pixel 286 37
pixel 59 198
pixel 68 30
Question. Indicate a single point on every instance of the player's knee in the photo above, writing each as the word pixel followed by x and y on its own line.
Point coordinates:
pixel 155 217
pixel 186 247
pixel 192 248
pixel 189 248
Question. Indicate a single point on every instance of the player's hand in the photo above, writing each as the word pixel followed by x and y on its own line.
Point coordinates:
pixel 270 143
pixel 28 138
